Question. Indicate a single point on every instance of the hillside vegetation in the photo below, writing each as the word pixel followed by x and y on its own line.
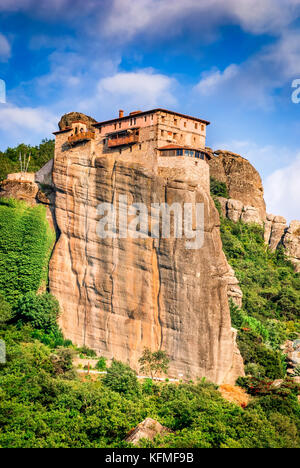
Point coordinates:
pixel 44 402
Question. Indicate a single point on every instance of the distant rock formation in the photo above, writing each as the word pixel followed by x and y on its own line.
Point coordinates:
pixel 247 203
pixel 242 179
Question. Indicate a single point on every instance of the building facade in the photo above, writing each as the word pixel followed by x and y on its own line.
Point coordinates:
pixel 155 138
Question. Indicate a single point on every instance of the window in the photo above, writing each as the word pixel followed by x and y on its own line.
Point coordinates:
pixel 162 132
pixel 145 118
pixel 162 118
pixel 184 124
pixel 196 126
pixel 179 152
pixel 100 129
pixel 131 121
pixel 134 121
pixel 175 121
pixel 120 124
pixel 151 116
pixel 202 128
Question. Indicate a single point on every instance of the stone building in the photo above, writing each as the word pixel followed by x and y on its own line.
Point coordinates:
pixel 155 138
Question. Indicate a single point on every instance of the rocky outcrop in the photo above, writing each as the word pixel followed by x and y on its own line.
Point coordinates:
pixel 147 429
pixel 21 188
pixel 275 227
pixel 119 295
pixel 234 292
pixel 291 243
pixel 67 120
pixel 242 179
pixel 236 211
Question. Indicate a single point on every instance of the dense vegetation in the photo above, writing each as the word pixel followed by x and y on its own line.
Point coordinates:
pixel 44 402
pixel 40 155
pixel 26 241
pixel 271 298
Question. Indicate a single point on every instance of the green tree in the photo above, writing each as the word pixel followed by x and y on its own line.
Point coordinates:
pixel 154 363
pixel 41 310
pixel 121 378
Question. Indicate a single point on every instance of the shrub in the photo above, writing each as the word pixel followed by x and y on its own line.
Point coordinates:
pixel 101 364
pixel 42 311
pixel 121 378
pixel 5 311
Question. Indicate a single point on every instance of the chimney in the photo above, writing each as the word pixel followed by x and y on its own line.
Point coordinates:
pixel 121 114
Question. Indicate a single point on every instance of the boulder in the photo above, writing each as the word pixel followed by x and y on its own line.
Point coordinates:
pixel 147 429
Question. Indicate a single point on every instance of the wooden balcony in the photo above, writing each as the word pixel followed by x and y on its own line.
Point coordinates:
pixel 80 137
pixel 122 140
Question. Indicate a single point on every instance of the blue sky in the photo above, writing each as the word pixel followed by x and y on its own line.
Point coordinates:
pixel 232 63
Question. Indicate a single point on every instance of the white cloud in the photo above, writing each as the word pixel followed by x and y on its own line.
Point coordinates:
pixel 5 49
pixel 282 191
pixel 25 124
pixel 215 79
pixel 143 88
pixel 255 82
pixel 128 18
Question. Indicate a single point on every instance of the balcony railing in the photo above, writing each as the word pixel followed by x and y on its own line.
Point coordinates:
pixel 83 136
pixel 122 140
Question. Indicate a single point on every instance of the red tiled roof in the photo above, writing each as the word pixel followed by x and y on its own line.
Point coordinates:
pixel 151 112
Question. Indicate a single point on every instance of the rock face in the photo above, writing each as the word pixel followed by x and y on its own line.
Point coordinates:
pixel 68 119
pixel 119 295
pixel 291 243
pixel 275 228
pixel 234 292
pixel 147 429
pixel 236 211
pixel 242 179
pixel 21 187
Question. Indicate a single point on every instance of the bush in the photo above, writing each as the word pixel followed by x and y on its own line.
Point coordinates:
pixel 5 311
pixel 218 189
pixel 42 311
pixel 121 378
pixel 101 364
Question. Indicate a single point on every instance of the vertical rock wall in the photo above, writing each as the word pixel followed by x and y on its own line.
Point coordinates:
pixel 121 295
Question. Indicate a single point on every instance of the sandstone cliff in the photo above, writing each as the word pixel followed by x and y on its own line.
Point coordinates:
pixel 120 295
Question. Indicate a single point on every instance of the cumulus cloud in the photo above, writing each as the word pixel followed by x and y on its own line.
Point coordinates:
pixel 25 124
pixel 142 88
pixel 5 49
pixel 255 82
pixel 215 79
pixel 282 191
pixel 128 18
